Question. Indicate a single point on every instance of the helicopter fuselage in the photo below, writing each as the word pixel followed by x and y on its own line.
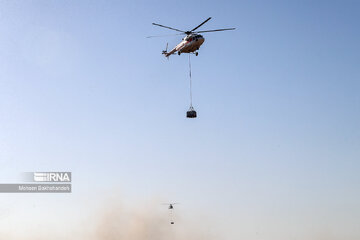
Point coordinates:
pixel 190 43
pixel 193 40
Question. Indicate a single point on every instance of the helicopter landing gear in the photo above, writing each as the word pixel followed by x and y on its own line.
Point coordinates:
pixel 196 53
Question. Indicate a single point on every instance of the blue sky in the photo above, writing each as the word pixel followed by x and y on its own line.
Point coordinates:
pixel 276 141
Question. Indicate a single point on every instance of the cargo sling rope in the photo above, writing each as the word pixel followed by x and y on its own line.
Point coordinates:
pixel 191 113
pixel 190 83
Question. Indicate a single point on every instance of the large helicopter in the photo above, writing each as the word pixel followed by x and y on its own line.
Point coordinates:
pixel 191 42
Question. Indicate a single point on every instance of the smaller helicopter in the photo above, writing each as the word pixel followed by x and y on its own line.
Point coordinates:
pixel 170 207
pixel 191 43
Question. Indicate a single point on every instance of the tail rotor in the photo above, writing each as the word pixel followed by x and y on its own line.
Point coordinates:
pixel 165 52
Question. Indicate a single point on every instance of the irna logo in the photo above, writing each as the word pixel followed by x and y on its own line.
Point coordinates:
pixel 52 176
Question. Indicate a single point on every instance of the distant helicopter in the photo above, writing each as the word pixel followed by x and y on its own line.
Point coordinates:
pixel 191 43
pixel 171 207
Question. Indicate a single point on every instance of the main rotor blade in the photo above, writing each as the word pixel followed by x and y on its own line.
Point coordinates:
pixel 216 30
pixel 165 35
pixel 201 24
pixel 167 27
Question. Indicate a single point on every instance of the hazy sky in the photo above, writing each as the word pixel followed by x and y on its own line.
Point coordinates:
pixel 273 154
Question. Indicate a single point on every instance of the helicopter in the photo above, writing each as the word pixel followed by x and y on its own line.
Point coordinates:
pixel 191 42
pixel 170 205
